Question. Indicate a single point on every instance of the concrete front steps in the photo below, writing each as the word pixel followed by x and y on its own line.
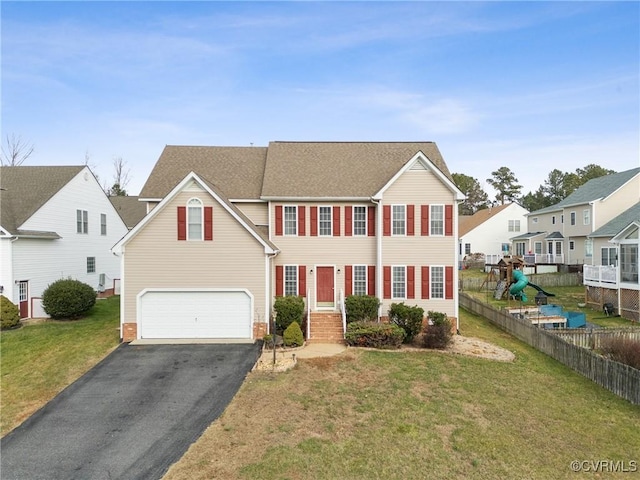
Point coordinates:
pixel 325 328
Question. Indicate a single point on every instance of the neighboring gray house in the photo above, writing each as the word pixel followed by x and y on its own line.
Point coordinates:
pixel 614 276
pixel 561 233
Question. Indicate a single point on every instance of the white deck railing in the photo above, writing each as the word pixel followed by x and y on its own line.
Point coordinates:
pixel 343 311
pixel 529 258
pixel 308 314
pixel 600 275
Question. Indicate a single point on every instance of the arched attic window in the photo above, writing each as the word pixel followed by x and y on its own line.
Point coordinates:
pixel 194 219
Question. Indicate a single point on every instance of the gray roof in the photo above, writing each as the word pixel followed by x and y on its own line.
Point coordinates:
pixel 24 189
pixel 527 235
pixel 236 171
pixel 339 169
pixel 130 209
pixel 594 189
pixel 289 169
pixel 554 235
pixel 617 224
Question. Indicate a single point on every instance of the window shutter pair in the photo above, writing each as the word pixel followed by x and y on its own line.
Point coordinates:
pixel 411 282
pixel 409 220
pixel 371 280
pixel 302 280
pixel 301 220
pixel 448 283
pixel 448 220
pixel 348 221
pixel 182 223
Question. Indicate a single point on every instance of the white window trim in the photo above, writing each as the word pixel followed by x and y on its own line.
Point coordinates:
pixel 586 216
pixel 431 220
pixel 393 282
pixel 296 268
pixel 573 218
pixel 432 283
pixel 404 219
pixel 103 226
pixel 84 222
pixel 353 221
pixel 330 234
pixel 353 279
pixel 284 220
pixel 94 265
pixel 201 207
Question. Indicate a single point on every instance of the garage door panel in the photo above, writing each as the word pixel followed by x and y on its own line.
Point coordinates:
pixel 195 314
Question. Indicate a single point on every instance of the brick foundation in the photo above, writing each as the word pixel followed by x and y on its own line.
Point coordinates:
pixel 259 330
pixel 129 332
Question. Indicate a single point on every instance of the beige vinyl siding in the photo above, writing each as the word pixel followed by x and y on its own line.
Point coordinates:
pixel 618 202
pixel 154 258
pixel 579 229
pixel 258 212
pixel 544 223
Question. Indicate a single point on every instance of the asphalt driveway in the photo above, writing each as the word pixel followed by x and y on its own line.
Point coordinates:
pixel 131 416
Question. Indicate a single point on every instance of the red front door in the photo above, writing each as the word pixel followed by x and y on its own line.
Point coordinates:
pixel 325 295
pixel 23 291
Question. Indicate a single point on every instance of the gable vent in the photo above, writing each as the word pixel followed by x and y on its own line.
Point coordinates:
pixel 193 186
pixel 417 166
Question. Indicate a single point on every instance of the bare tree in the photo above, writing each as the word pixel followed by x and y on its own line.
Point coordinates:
pixel 120 178
pixel 15 151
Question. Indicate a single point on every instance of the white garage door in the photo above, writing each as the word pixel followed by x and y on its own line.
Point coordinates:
pixel 195 314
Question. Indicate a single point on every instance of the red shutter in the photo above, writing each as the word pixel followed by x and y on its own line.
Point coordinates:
pixel 371 280
pixel 448 220
pixel 301 220
pixel 411 282
pixel 278 219
pixel 411 219
pixel 424 220
pixel 371 224
pixel 348 220
pixel 425 282
pixel 448 283
pixel 386 220
pixel 387 282
pixel 336 221
pixel 348 280
pixel 279 280
pixel 313 220
pixel 302 280
pixel 208 223
pixel 182 223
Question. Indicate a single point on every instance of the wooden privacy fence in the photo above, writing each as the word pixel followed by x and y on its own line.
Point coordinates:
pixel 589 338
pixel 542 280
pixel 616 377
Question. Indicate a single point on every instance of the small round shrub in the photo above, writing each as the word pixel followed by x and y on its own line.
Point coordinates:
pixel 408 318
pixel 288 309
pixel 68 299
pixel 292 336
pixel 437 334
pixel 9 313
pixel 361 308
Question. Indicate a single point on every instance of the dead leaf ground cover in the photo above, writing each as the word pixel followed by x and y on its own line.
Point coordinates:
pixel 376 414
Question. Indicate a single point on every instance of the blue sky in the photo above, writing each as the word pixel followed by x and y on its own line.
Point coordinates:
pixel 529 85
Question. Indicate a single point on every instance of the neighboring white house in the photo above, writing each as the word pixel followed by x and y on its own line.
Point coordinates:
pixel 489 231
pixel 55 222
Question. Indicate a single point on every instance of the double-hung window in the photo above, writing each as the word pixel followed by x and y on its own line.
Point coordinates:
pixel 359 221
pixel 359 279
pixel 82 221
pixel 514 225
pixel 399 281
pixel 325 222
pixel 572 217
pixel 290 220
pixel 291 280
pixel 436 220
pixel 398 220
pixel 436 282
pixel 194 219
pixel 103 224
pixel 586 217
pixel 609 256
pixel 91 264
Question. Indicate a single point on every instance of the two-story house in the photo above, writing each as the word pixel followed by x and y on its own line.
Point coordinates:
pixel 231 228
pixel 55 222
pixel 559 234
pixel 489 231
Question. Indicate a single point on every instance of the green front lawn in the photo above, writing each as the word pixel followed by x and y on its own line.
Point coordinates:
pixel 38 361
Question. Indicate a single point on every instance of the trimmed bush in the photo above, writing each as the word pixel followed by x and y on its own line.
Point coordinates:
pixel 373 334
pixel 288 309
pixel 437 333
pixel 292 336
pixel 9 313
pixel 68 299
pixel 623 350
pixel 361 308
pixel 408 318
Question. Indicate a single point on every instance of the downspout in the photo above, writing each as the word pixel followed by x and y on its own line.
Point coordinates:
pixel 379 272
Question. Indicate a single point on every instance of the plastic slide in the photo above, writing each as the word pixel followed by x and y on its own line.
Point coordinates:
pixel 521 281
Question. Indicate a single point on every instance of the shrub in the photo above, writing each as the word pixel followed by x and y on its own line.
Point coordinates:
pixel 361 308
pixel 9 313
pixel 623 350
pixel 288 309
pixel 408 318
pixel 68 299
pixel 292 336
pixel 437 333
pixel 373 334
